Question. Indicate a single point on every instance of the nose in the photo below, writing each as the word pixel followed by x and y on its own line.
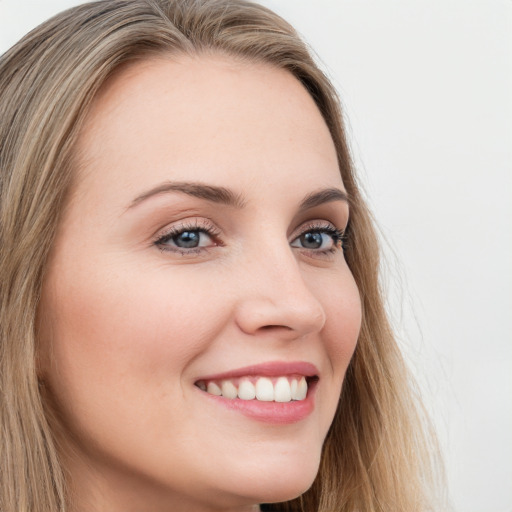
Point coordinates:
pixel 277 299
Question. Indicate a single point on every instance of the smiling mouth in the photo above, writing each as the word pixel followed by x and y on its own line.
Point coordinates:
pixel 281 389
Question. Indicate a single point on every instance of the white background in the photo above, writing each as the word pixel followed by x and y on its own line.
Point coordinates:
pixel 427 90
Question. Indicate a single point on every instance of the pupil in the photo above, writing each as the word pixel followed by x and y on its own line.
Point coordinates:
pixel 311 240
pixel 187 239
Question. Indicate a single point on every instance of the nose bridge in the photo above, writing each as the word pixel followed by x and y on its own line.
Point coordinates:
pixel 276 294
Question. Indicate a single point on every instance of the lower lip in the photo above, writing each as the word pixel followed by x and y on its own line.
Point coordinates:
pixel 280 413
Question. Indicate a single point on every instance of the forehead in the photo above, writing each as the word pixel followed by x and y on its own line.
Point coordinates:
pixel 202 118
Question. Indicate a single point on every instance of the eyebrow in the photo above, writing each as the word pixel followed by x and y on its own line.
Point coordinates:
pixel 211 193
pixel 227 197
pixel 327 195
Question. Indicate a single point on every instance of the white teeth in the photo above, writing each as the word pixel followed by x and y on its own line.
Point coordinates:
pixel 213 389
pixel 302 389
pixel 264 390
pixel 293 388
pixel 246 390
pixel 282 390
pixel 228 389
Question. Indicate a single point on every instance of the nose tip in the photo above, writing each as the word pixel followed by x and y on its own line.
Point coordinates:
pixel 288 313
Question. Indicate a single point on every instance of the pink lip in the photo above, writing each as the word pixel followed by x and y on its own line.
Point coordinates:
pixel 279 413
pixel 270 369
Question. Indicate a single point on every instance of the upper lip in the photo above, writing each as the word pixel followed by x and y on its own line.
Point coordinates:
pixel 268 369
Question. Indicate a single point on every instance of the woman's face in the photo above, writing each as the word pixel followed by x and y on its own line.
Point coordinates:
pixel 200 253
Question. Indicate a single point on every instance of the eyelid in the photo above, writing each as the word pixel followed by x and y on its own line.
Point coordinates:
pixel 196 224
pixel 208 227
pixel 321 226
pixel 317 224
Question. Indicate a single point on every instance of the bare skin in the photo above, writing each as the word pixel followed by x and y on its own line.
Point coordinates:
pixel 153 286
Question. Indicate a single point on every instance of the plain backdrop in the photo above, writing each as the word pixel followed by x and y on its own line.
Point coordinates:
pixel 427 93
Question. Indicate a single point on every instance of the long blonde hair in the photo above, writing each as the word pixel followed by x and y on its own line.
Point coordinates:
pixel 377 455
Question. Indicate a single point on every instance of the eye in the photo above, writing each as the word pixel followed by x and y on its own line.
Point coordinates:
pixel 190 239
pixel 187 239
pixel 321 239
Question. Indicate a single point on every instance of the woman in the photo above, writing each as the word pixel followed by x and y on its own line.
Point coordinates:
pixel 191 316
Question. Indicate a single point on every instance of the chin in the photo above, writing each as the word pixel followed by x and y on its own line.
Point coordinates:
pixel 283 481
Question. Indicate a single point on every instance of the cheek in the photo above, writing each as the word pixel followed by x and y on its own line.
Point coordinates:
pixel 122 321
pixel 342 306
pixel 121 343
pixel 121 333
pixel 340 299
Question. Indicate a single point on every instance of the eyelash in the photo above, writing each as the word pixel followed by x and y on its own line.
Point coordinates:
pixel 196 226
pixel 338 236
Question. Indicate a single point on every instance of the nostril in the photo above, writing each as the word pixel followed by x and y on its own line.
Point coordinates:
pixel 272 327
